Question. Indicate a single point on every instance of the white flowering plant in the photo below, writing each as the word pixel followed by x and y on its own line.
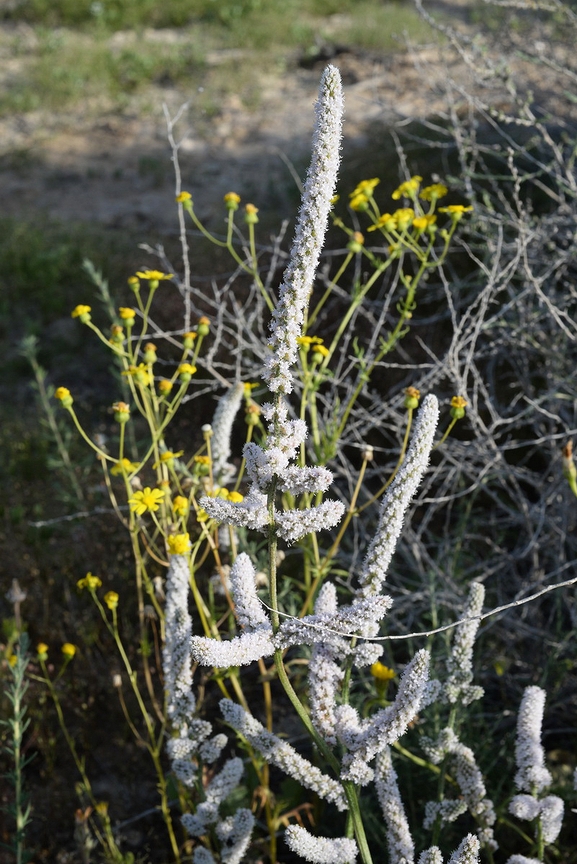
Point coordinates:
pixel 215 526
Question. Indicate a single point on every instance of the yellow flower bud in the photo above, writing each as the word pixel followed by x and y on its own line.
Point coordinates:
pixel 111 599
pixel 412 396
pixel 69 650
pixel 42 651
pixel 82 312
pixel 64 397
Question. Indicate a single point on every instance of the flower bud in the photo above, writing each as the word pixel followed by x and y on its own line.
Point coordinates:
pixel 128 315
pixel 232 200
pixel 250 216
pixel 188 340
pixel 111 599
pixel 203 327
pixel 121 412
pixel 412 396
pixel 150 353
pixel 117 334
pixel 69 650
pixel 458 405
pixel 356 242
pixel 185 372
pixel 134 283
pixel 42 651
pixel 64 397
pixel 82 312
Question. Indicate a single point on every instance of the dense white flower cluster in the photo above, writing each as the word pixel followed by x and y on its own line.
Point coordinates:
pixel 459 665
pixel 531 776
pixel 399 840
pixel 234 833
pixel 325 673
pixel 281 754
pixel 309 235
pixel 467 853
pixel 447 810
pixel 320 850
pixel 398 498
pixel 222 423
pixel 366 739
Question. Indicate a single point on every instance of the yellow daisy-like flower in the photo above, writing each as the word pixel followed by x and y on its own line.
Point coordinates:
pixel 235 497
pixel 146 500
pixel 167 457
pixel 180 505
pixel 404 217
pixel 154 275
pixel 178 544
pixel 63 395
pixel 126 313
pixel 309 340
pixel 123 466
pixel 186 371
pixel 202 515
pixel 141 374
pixel 322 350
pixel 69 650
pixel 91 582
pixel 365 187
pixel 182 197
pixel 421 223
pixel 458 402
pixel 388 221
pixel 42 650
pixel 433 192
pixel 456 211
pixel 359 203
pixel 232 200
pixel 382 672
pixel 165 386
pixel 81 311
pixel 408 189
pixel 111 599
pixel 202 460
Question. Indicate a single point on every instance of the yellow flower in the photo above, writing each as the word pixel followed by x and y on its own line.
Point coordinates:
pixel 412 396
pixel 126 313
pixel 356 242
pixel 232 200
pixel 186 371
pixel 165 386
pixel 154 275
pixel 182 197
pixel 188 339
pixel 63 395
pixel 121 412
pixel 431 193
pixel 178 544
pixel 140 373
pixel 381 672
pixel 82 312
pixel 365 187
pixel 133 283
pixel 202 460
pixel 359 203
pixel 421 223
pixel 123 466
pixel 42 650
pixel 321 350
pixel 388 221
pixel 404 217
pixel 167 457
pixel 456 211
pixel 148 499
pixel 408 189
pixel 91 582
pixel 69 650
pixel 180 505
pixel 202 515
pixel 111 599
pixel 235 497
pixel 458 405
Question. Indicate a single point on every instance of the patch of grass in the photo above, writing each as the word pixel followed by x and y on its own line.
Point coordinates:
pixel 67 69
pixel 378 27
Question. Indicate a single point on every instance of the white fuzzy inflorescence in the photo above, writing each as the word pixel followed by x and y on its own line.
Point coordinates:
pixel 398 498
pixel 531 776
pixel 320 850
pixel 431 856
pixel 281 754
pixel 399 840
pixel 309 234
pixel 222 423
pixel 325 674
pixel 460 663
pixel 467 853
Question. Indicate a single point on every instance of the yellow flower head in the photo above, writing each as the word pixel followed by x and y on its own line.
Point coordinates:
pixel 154 275
pixel 404 217
pixel 146 500
pixel 178 544
pixel 111 599
pixel 381 672
pixel 42 650
pixel 408 189
pixel 202 460
pixel 91 582
pixel 126 313
pixel 412 396
pixel 167 457
pixel 309 340
pixel 365 187
pixel 456 211
pixel 180 505
pixel 388 221
pixel 250 212
pixel 121 412
pixel 421 223
pixel 134 283
pixel 232 200
pixel 182 197
pixel 359 202
pixel 123 466
pixel 433 192
pixel 458 402
pixel 322 351
pixel 235 497
pixel 140 373
pixel 69 650
pixel 165 386
pixel 63 395
pixel 202 515
pixel 82 312
pixel 186 371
